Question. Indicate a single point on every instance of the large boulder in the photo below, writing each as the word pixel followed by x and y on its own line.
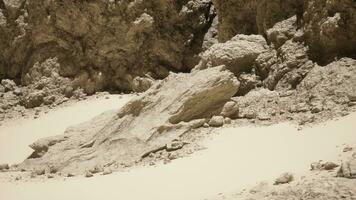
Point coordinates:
pixel 237 54
pixel 150 121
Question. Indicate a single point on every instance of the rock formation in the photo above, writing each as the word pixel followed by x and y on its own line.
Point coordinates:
pixel 146 124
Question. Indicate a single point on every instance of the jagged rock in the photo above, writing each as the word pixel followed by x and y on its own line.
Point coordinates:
pixel 348 168
pixel 211 37
pixel 284 178
pixel 88 175
pixel 248 82
pixel 111 41
pixel 9 85
pixel 237 54
pixel 107 171
pixel 34 99
pixel 124 136
pixel 291 67
pixel 282 31
pixel 216 121
pixel 329 27
pixel 253 17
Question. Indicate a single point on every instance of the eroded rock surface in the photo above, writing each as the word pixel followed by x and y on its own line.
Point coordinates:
pixel 147 123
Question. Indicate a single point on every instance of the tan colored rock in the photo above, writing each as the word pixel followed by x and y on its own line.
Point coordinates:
pixel 216 121
pixel 237 54
pixel 348 168
pixel 230 110
pixel 146 123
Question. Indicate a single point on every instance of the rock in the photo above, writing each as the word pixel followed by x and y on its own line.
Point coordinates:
pixel 329 28
pixel 34 99
pixel 348 168
pixel 141 43
pixel 96 169
pixel 9 85
pixel 248 82
pixel 347 149
pixel 173 146
pixel 329 166
pixel 141 84
pixel 107 171
pixel 50 176
pixel 237 54
pixel 4 167
pixel 88 175
pixel 227 120
pixel 284 178
pixel 124 136
pixel 216 121
pixel 70 175
pixel 282 31
pixel 230 110
pixel 40 172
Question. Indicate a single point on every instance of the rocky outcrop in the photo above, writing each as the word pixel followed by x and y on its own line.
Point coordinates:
pixel 253 17
pixel 147 123
pixel 330 28
pixel 105 44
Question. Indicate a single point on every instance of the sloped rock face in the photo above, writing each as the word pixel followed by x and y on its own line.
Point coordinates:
pixel 163 113
pixel 117 40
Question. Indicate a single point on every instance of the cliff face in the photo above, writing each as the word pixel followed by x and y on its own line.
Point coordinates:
pixel 103 43
pixel 328 26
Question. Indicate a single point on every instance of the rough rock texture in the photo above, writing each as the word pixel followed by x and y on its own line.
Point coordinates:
pixel 324 93
pixel 252 16
pixel 237 54
pixel 348 168
pixel 330 27
pixel 105 43
pixel 146 124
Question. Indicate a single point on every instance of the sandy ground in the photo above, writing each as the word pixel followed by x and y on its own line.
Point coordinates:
pixel 235 158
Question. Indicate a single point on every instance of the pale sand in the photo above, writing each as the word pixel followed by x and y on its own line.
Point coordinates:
pixel 234 159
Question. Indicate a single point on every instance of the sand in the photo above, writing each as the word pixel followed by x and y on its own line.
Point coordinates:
pixel 235 158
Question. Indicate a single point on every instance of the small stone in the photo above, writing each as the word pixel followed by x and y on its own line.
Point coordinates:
pixel 329 166
pixel 17 178
pixel 50 176
pixel 96 169
pixel 206 125
pixel 107 171
pixel 172 156
pixel 174 146
pixel 316 166
pixel 230 109
pixel 4 167
pixel 284 178
pixel 70 175
pixel 216 121
pixel 88 174
pixel 40 172
pixel 227 120
pixel 347 149
pixel 53 169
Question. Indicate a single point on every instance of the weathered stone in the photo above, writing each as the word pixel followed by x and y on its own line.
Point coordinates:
pixel 230 109
pixel 237 54
pixel 284 178
pixel 348 168
pixel 125 135
pixel 216 121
